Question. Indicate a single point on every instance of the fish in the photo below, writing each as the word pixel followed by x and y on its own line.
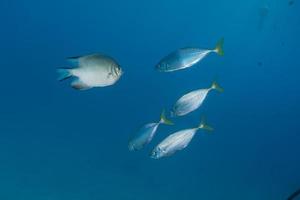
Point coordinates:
pixel 94 70
pixel 146 134
pixel 192 100
pixel 187 57
pixel 177 141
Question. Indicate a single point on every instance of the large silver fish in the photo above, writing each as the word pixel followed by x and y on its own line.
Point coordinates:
pixel 146 134
pixel 177 141
pixel 192 100
pixel 93 70
pixel 186 57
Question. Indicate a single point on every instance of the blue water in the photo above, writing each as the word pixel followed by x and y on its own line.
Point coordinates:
pixel 57 143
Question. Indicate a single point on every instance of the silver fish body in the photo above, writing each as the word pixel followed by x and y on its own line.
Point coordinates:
pixel 94 70
pixel 192 100
pixel 187 57
pixel 143 137
pixel 189 102
pixel 173 143
pixel 146 133
pixel 181 59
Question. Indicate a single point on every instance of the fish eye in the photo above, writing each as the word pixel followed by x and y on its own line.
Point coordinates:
pixel 154 153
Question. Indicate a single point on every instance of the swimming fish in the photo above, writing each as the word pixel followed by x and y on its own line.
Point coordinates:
pixel 146 134
pixel 186 57
pixel 192 100
pixel 177 141
pixel 93 70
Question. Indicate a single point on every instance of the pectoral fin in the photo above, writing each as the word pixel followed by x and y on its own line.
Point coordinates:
pixel 79 85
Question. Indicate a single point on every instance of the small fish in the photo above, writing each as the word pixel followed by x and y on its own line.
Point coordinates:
pixel 146 134
pixel 192 100
pixel 177 141
pixel 186 57
pixel 93 70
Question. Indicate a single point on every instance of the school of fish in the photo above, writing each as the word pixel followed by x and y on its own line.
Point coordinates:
pixel 98 70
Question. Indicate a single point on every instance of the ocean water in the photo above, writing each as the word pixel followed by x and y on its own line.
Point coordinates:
pixel 57 143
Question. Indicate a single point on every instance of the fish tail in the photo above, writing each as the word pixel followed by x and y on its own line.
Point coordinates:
pixel 164 120
pixel 204 125
pixel 217 87
pixel 219 47
pixel 63 73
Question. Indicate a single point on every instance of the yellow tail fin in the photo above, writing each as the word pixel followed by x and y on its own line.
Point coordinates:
pixel 204 126
pixel 219 47
pixel 217 87
pixel 164 120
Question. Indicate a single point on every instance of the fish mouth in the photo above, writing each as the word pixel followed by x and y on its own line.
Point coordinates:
pixel 154 155
pixel 159 69
pixel 120 72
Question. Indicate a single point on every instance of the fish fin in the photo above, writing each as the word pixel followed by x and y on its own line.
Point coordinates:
pixel 74 60
pixel 164 120
pixel 217 87
pixel 219 47
pixel 205 126
pixel 63 74
pixel 79 85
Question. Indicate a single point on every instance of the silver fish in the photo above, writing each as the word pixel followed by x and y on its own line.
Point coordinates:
pixel 177 141
pixel 186 57
pixel 146 134
pixel 93 70
pixel 192 100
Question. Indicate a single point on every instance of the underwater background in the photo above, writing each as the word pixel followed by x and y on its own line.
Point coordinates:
pixel 57 143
